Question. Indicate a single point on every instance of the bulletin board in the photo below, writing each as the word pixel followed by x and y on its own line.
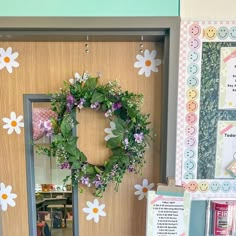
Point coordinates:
pixel 206 123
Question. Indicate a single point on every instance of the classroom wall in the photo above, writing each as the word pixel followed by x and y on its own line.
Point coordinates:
pixel 210 9
pixel 89 8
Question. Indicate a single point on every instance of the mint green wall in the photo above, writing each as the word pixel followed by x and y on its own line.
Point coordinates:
pixel 89 8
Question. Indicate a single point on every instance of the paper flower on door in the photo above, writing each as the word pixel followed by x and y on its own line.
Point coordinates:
pixel 147 63
pixel 94 210
pixel 13 123
pixel 7 59
pixel 6 197
pixel 143 189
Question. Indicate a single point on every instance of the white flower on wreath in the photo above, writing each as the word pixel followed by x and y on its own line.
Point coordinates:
pixel 147 63
pixel 6 197
pixel 13 123
pixel 7 59
pixel 94 210
pixel 109 131
pixel 143 189
pixel 79 78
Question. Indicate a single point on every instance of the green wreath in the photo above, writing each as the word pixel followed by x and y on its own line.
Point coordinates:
pixel 127 139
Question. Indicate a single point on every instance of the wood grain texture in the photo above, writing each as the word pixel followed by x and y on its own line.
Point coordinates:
pixel 43 67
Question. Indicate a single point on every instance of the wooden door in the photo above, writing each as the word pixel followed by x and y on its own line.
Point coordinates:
pixel 43 66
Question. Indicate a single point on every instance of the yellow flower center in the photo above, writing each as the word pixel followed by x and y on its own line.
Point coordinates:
pixel 13 123
pixel 6 59
pixel 145 189
pixel 95 210
pixel 148 62
pixel 4 196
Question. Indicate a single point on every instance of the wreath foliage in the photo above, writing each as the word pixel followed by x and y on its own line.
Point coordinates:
pixel 128 136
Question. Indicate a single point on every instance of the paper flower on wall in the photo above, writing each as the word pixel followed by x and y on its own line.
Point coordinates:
pixel 94 210
pixel 143 189
pixel 7 59
pixel 6 197
pixel 13 123
pixel 147 63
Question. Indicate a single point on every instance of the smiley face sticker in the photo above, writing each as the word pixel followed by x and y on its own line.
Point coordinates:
pixel 194 43
pixel 192 94
pixel 192 81
pixel 215 186
pixel 194 30
pixel 226 186
pixel 203 186
pixel 191 106
pixel 189 153
pixel 192 186
pixel 190 130
pixel 193 56
pixel 222 33
pixel 189 175
pixel 232 32
pixel 190 142
pixel 189 165
pixel 191 118
pixel 210 33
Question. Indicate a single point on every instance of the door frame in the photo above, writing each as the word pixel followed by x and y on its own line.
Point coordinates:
pixel 112 29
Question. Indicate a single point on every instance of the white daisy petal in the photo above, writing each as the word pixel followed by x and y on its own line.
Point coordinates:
pixel 15 55
pixel 1 51
pixel 9 68
pixel 139 57
pixel 137 192
pixel 15 64
pixel 157 62
pixel 9 50
pixel 10 130
pixel 138 186
pixel 153 53
pixel 7 126
pixel 147 73
pixel 96 218
pixel 89 217
pixel 145 182
pixel 141 71
pixel 6 120
pixel 146 53
pixel 13 115
pixel 141 197
pixel 17 129
pixel 19 118
pixel 1 66
pixel 151 186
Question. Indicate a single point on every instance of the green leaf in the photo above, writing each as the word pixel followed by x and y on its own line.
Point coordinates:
pixel 113 143
pixel 97 97
pixel 83 158
pixel 132 112
pixel 90 170
pixel 91 83
pixel 117 151
pixel 120 128
pixel 65 127
pixel 98 170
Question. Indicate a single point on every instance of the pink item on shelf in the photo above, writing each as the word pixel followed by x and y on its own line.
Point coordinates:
pixel 40 115
pixel 222 217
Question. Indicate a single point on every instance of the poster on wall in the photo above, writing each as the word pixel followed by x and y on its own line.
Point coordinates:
pixel 206 120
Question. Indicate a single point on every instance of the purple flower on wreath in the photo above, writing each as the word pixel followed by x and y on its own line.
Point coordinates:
pixel 65 165
pixel 116 106
pixel 95 105
pixel 126 143
pixel 85 181
pixel 138 137
pixel 108 113
pixel 130 168
pixel 69 102
pixel 81 103
pixel 97 182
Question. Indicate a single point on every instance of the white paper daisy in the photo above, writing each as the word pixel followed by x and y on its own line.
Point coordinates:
pixel 143 189
pixel 7 59
pixel 6 197
pixel 109 131
pixel 94 210
pixel 147 63
pixel 13 123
